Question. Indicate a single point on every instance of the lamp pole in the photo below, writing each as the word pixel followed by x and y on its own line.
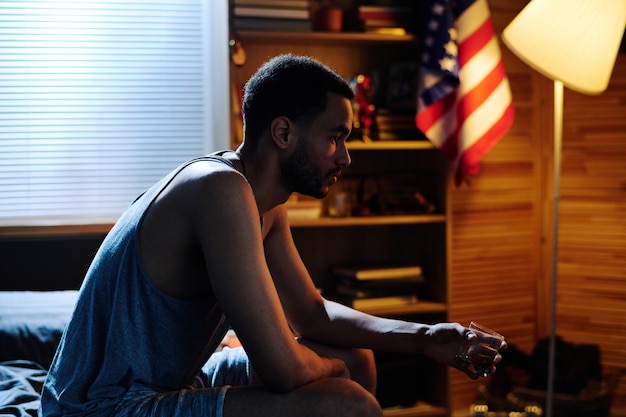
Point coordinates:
pixel 558 139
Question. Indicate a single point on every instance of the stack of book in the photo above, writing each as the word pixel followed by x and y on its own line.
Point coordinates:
pixel 280 15
pixel 377 287
pixel 395 19
pixel 397 125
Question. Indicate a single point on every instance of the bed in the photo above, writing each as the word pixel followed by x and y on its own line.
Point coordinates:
pixel 31 324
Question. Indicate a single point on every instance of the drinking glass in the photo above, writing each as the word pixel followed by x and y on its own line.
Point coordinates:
pixel 476 356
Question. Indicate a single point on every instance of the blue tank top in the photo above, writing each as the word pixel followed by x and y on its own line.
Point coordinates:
pixel 126 331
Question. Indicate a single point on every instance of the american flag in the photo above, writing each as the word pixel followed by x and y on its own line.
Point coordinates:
pixel 464 104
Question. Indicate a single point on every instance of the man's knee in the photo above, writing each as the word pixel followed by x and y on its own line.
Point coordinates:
pixel 361 358
pixel 330 397
pixel 362 368
pixel 350 399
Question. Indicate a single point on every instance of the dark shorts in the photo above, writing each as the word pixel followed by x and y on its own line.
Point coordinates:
pixel 205 397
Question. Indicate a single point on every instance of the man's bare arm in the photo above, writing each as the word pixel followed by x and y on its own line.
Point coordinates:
pixel 225 216
pixel 327 322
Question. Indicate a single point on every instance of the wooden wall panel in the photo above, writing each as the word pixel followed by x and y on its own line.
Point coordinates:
pixel 501 224
pixel 591 300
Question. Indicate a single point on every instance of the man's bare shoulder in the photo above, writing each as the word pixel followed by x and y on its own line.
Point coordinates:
pixel 197 210
pixel 205 182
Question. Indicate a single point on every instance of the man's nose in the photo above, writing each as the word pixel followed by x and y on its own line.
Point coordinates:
pixel 344 158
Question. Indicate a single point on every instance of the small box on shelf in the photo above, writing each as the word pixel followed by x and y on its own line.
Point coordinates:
pixel 301 207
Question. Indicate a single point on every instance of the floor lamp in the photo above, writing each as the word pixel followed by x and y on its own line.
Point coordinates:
pixel 575 43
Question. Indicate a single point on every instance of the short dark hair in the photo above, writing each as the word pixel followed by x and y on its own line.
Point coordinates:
pixel 293 86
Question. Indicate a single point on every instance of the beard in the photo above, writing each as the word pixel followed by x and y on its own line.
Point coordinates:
pixel 301 175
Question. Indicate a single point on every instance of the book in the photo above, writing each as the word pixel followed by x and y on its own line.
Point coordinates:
pixel 271 12
pixel 394 31
pixel 293 4
pixel 378 302
pixel 396 287
pixel 390 19
pixel 399 10
pixel 260 23
pixel 378 273
pixel 402 284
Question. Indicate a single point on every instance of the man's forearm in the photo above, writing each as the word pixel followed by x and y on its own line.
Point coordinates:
pixel 344 326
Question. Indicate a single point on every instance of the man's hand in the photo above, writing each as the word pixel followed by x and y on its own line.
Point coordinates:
pixel 446 339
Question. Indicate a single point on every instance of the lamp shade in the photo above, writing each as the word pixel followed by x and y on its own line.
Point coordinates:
pixel 572 41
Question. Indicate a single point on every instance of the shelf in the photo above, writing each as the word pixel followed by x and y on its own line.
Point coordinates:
pixel 317 37
pixel 390 145
pixel 421 307
pixel 420 409
pixel 368 220
pixel 55 230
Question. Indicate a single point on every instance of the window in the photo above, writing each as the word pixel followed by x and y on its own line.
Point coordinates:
pixel 100 99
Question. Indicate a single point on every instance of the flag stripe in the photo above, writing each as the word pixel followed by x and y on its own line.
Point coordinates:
pixel 437 120
pixel 473 18
pixel 480 65
pixel 469 162
pixel 474 153
pixel 475 42
pixel 431 114
pixel 485 115
pixel 472 100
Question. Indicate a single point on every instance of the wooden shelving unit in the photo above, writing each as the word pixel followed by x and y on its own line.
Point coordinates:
pixel 405 219
pixel 421 307
pixel 330 37
pixel 390 145
pixel 380 238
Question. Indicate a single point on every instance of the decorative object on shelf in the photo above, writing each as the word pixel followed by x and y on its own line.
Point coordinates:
pixel 575 43
pixel 402 85
pixel 301 207
pixel 237 53
pixel 391 194
pixel 328 19
pixel 339 204
pixel 464 108
pixel 364 87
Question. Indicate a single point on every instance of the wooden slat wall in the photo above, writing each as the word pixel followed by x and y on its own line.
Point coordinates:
pixel 501 225
pixel 591 301
pixel 496 223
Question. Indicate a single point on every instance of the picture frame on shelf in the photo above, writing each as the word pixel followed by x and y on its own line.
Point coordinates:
pixel 402 85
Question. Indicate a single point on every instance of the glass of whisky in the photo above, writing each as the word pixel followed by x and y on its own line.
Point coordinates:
pixel 476 356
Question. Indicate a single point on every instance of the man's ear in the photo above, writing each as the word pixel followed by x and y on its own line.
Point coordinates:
pixel 280 130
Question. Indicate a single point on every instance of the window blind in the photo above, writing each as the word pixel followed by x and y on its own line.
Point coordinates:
pixel 98 100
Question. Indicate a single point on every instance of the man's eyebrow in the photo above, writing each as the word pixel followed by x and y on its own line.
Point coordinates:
pixel 341 128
